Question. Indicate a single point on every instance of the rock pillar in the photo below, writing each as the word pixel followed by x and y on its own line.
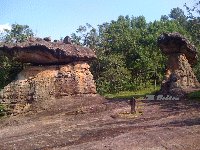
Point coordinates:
pixel 179 76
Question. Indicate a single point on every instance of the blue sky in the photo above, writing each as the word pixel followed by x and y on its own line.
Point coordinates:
pixel 59 18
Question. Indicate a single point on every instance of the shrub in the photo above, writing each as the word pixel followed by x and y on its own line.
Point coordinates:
pixel 195 95
pixel 3 110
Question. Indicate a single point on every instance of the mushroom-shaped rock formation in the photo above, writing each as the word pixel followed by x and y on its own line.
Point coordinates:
pixel 179 77
pixel 40 52
pixel 62 70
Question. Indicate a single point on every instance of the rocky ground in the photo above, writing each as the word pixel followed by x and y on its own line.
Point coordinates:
pixel 99 123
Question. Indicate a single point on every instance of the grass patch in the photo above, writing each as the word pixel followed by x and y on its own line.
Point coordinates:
pixel 129 115
pixel 137 94
pixel 194 95
pixel 3 110
pixel 139 103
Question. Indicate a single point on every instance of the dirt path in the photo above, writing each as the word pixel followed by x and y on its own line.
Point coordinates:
pixel 162 125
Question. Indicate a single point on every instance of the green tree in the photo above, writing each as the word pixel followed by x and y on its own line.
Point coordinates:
pixel 115 77
pixel 109 68
pixel 18 33
pixel 193 28
pixel 193 25
pixel 9 68
pixel 128 57
pixel 164 18
pixel 178 15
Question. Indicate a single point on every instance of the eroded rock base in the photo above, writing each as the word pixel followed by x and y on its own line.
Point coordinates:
pixel 179 76
pixel 44 84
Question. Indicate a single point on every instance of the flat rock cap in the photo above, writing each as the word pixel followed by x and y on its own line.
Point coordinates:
pixel 176 43
pixel 38 51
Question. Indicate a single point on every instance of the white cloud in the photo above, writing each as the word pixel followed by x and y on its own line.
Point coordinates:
pixel 5 26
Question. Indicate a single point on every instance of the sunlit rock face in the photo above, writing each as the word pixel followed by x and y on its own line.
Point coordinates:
pixel 59 70
pixel 47 83
pixel 179 76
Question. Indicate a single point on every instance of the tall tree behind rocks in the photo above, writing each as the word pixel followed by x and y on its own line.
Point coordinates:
pixel 178 15
pixel 9 68
pixel 18 33
pixel 127 52
pixel 109 69
pixel 193 28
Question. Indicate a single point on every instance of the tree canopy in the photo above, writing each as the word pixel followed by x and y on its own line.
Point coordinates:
pixel 127 52
pixel 18 33
pixel 9 68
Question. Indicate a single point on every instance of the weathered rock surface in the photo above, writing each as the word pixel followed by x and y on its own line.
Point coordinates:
pixel 176 43
pixel 47 39
pixel 162 125
pixel 67 40
pixel 44 84
pixel 179 76
pixel 39 51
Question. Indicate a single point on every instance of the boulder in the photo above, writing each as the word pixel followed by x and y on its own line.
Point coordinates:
pixel 56 41
pixel 47 39
pixel 67 40
pixel 40 52
pixel 179 76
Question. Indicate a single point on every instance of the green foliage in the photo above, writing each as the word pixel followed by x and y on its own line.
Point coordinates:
pixel 137 94
pixel 115 76
pixel 130 115
pixel 193 28
pixel 178 15
pixel 164 18
pixel 9 68
pixel 128 57
pixel 18 33
pixel 3 110
pixel 195 95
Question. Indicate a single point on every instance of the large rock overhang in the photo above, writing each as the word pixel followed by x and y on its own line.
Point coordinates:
pixel 176 43
pixel 40 52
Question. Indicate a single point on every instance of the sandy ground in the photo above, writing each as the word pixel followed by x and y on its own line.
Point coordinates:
pixel 105 124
